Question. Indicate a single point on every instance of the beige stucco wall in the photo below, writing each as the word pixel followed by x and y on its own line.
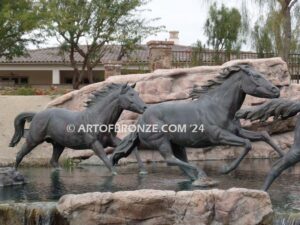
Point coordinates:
pixel 42 77
pixel 34 77
pixel 98 75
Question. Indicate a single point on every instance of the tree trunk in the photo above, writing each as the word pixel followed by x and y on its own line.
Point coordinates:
pixel 90 75
pixel 77 79
pixel 287 37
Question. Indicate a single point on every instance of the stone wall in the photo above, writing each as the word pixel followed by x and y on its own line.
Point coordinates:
pixel 160 54
pixel 112 69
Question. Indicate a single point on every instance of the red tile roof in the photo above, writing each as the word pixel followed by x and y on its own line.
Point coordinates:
pixel 53 56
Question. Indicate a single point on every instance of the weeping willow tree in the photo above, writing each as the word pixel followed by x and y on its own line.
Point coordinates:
pixel 279 31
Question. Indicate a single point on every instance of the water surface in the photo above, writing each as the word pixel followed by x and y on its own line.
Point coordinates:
pixel 46 184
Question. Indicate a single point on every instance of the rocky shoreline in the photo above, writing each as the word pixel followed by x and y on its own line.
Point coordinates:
pixel 146 207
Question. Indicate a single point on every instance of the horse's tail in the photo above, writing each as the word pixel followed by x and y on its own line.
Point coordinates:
pixel 19 127
pixel 125 147
pixel 278 108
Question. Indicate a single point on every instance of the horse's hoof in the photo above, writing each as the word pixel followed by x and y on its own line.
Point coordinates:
pixel 224 169
pixel 114 159
pixel 205 182
pixel 114 173
pixel 143 172
pixel 57 168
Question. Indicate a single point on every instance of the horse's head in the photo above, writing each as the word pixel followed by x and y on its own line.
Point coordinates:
pixel 130 100
pixel 256 85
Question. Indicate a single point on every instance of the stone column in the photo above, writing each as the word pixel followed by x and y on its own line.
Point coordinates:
pixel 160 54
pixel 55 76
pixel 112 69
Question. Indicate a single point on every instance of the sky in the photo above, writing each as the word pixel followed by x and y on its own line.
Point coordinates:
pixel 186 16
pixel 189 16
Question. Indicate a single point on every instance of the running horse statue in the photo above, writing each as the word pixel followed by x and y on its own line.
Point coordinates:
pixel 60 127
pixel 213 110
pixel 279 109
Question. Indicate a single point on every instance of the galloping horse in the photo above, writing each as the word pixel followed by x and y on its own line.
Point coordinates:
pixel 61 127
pixel 213 111
pixel 279 109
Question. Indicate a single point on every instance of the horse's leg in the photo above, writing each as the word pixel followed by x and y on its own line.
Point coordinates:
pixel 57 151
pixel 116 141
pixel 261 136
pixel 99 151
pixel 288 160
pixel 141 165
pixel 26 148
pixel 165 150
pixel 180 153
pixel 196 174
pixel 228 138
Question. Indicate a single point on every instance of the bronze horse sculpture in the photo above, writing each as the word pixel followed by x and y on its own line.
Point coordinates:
pixel 60 127
pixel 214 109
pixel 279 109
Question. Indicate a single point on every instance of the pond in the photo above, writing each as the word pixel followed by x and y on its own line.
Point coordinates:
pixel 46 184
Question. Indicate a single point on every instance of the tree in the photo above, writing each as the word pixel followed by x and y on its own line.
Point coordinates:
pixel 262 39
pixel 282 25
pixel 224 29
pixel 17 20
pixel 89 27
pixel 283 17
pixel 198 49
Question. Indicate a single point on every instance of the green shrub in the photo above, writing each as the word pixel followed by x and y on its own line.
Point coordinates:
pixel 25 91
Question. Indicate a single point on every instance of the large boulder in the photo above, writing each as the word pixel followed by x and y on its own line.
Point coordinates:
pixel 159 86
pixel 233 206
pixel 176 84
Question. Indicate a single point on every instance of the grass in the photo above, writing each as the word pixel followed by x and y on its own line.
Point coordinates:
pixel 68 163
pixel 28 90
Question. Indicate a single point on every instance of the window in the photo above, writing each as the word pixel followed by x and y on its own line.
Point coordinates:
pixel 68 80
pixel 24 80
pixel 14 80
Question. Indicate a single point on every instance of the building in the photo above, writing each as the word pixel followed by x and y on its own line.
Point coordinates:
pixel 44 67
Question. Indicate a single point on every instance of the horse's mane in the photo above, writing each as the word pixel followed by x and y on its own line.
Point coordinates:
pixel 217 81
pixel 278 108
pixel 99 95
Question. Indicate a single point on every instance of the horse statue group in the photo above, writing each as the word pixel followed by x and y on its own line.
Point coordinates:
pixel 213 106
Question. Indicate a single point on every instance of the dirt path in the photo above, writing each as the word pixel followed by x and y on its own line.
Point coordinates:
pixel 10 107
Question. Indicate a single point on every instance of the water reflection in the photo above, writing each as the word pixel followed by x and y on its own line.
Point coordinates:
pixel 46 184
pixel 57 188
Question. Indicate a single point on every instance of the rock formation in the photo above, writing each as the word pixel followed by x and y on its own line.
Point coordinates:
pixel 234 206
pixel 38 213
pixel 175 84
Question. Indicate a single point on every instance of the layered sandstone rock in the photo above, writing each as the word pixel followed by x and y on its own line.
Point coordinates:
pixel 175 84
pixel 233 206
pixel 35 213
